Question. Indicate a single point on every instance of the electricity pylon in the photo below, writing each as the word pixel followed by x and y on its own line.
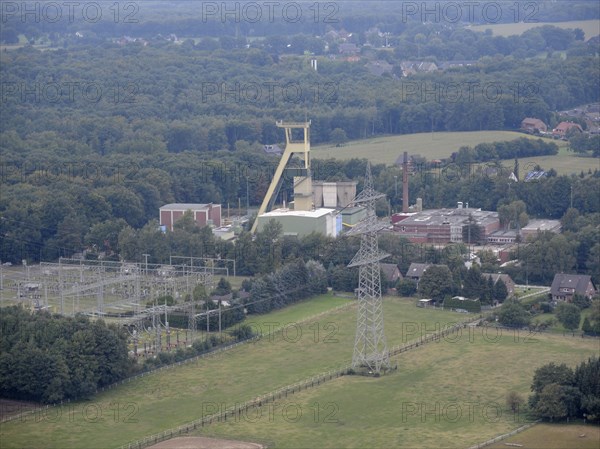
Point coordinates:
pixel 370 349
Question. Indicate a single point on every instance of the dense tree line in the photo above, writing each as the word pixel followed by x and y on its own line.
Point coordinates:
pixel 440 282
pixel 171 100
pixel 413 29
pixel 559 392
pixel 521 147
pixel 291 283
pixel 576 250
pixel 46 215
pixel 50 358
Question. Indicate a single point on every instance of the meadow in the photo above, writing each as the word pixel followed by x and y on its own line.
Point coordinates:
pixel 446 395
pixel 591 28
pixel 418 405
pixel 387 149
pixel 171 397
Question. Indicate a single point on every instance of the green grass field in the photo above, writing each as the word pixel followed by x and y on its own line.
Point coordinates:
pixel 172 397
pixel 445 395
pixel 430 145
pixel 349 412
pixel 591 28
pixel 387 149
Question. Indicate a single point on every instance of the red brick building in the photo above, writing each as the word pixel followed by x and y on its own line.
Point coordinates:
pixel 446 225
pixel 202 213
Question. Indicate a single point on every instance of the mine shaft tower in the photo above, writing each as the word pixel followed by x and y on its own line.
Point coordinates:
pixel 302 177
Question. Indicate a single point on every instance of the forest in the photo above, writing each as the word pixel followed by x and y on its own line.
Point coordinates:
pixel 227 19
pixel 97 133
pixel 50 358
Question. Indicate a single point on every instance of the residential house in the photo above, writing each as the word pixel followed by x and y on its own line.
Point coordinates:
pixel 391 273
pixel 535 175
pixel 416 270
pixel 533 125
pixel 348 49
pixel 510 284
pixel 378 68
pixel 563 128
pixel 564 286
pixel 452 64
pixel 412 67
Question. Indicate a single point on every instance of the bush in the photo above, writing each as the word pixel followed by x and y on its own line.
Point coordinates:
pixel 406 287
pixel 513 314
pixel 514 401
pixel 244 332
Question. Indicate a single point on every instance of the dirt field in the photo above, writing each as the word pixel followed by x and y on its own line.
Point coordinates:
pixel 204 443
pixel 555 436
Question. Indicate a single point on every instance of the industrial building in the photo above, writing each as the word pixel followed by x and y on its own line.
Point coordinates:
pixel 204 214
pixel 303 222
pixel 333 194
pixel 534 227
pixel 446 225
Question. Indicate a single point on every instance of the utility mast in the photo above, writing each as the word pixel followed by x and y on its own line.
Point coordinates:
pixel 370 349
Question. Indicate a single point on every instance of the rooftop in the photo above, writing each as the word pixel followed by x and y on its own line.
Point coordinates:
pixel 184 206
pixel 542 225
pixel 438 217
pixel 298 213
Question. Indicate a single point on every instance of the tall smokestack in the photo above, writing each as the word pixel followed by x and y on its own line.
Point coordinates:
pixel 405 183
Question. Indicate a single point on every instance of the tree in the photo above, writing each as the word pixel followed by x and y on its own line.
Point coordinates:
pixel 223 288
pixel 551 403
pixel 586 327
pixel 513 314
pixel 200 293
pixel 473 283
pixel 500 291
pixel 513 214
pixel 317 277
pixel 406 287
pixel 342 278
pixel 569 315
pixel 472 232
pixel 436 282
pixel 581 301
pixel 514 401
pixel 551 373
pixel 586 379
pixel 243 332
pixel 338 136
pixel 569 219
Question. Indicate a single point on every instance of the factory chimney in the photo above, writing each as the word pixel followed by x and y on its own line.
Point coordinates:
pixel 405 183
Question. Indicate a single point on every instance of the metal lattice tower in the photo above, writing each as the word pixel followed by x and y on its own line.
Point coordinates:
pixel 370 349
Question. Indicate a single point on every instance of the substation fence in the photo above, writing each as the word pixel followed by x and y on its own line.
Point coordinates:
pixel 194 359
pixel 504 436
